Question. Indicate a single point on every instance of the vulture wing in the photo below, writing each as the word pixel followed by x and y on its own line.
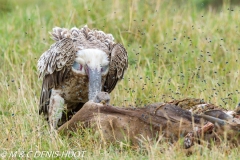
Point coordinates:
pixel 118 65
pixel 54 66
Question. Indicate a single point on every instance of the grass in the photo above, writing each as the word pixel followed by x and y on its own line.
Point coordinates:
pixel 175 51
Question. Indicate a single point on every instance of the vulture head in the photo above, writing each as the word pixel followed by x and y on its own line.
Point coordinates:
pixel 94 63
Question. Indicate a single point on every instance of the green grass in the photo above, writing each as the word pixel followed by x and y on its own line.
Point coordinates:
pixel 176 50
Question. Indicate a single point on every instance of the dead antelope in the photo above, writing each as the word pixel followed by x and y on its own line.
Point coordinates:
pixel 167 119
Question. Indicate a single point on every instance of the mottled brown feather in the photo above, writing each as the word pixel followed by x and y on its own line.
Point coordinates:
pixel 55 69
pixel 118 65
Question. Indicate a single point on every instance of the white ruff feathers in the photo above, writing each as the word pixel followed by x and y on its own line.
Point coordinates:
pixel 93 58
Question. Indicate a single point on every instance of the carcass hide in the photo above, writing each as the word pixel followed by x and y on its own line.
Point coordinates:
pixel 172 120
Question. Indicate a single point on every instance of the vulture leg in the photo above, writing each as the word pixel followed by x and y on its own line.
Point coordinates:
pixel 56 108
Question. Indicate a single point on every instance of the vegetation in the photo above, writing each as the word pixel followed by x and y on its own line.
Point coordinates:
pixel 176 50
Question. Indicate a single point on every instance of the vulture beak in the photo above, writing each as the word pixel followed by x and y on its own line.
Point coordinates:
pixel 95 85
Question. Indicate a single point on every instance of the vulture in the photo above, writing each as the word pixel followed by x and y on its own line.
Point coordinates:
pixel 80 64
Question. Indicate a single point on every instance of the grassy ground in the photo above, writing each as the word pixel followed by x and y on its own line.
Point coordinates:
pixel 175 51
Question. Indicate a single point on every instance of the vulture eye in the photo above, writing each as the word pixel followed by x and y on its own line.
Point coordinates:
pixel 104 68
pixel 80 67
